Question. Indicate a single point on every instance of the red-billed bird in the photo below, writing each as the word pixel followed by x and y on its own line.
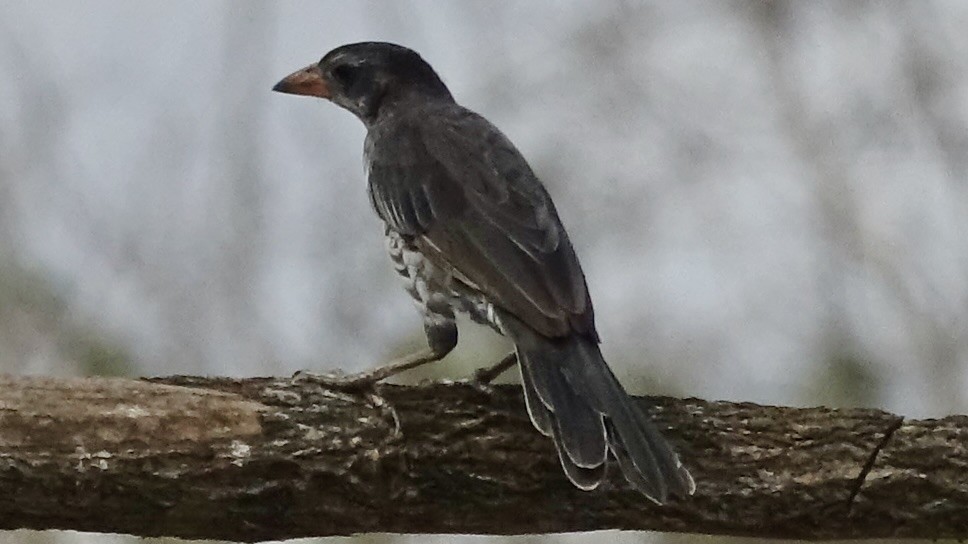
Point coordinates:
pixel 470 228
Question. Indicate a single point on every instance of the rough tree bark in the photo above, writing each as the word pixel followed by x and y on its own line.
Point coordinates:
pixel 263 458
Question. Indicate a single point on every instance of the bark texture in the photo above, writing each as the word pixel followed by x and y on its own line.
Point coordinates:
pixel 264 458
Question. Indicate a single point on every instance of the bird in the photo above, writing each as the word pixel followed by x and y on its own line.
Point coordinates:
pixel 471 229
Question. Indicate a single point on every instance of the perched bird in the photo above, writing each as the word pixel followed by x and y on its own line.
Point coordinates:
pixel 470 228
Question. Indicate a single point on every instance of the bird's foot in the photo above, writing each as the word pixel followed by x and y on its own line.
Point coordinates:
pixel 482 377
pixel 364 384
pixel 339 381
pixel 368 379
pixel 359 385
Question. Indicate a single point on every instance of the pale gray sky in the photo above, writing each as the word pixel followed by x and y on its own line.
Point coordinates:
pixel 746 187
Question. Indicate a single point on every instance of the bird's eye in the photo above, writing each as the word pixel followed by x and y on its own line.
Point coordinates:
pixel 345 74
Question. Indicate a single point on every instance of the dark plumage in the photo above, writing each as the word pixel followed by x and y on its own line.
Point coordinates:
pixel 471 228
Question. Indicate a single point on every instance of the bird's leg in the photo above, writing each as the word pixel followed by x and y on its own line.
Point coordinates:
pixel 442 337
pixel 486 375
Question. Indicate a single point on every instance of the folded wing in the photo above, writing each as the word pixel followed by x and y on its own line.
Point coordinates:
pixel 468 198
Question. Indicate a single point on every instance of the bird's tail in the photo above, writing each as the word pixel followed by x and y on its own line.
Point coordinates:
pixel 573 397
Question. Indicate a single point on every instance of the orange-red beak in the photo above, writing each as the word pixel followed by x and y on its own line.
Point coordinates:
pixel 309 81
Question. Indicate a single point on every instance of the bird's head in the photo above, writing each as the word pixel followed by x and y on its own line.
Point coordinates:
pixel 366 78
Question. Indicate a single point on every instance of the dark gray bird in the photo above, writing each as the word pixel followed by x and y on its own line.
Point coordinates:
pixel 470 228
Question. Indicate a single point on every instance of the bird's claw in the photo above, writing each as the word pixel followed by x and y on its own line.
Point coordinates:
pixel 350 383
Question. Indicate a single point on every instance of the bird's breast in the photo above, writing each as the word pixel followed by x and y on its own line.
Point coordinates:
pixel 434 288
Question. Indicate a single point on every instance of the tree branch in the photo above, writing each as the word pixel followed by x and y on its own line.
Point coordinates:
pixel 262 458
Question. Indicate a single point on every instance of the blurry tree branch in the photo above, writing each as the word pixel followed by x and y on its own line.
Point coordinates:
pixel 263 458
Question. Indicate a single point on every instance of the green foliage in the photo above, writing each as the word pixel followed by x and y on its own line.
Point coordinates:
pixel 97 356
pixel 35 318
pixel 844 380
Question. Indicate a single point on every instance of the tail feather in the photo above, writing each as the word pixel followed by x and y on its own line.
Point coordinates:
pixel 629 470
pixel 682 483
pixel 582 438
pixel 585 478
pixel 629 429
pixel 573 396
pixel 538 411
pixel 584 474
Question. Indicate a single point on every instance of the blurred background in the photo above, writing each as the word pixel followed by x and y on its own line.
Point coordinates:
pixel 770 198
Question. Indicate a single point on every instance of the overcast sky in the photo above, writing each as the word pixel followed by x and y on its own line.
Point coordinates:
pixel 755 194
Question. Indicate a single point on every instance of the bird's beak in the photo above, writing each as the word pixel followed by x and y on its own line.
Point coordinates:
pixel 309 81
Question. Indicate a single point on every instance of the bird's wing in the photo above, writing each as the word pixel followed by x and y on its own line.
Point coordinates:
pixel 468 198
